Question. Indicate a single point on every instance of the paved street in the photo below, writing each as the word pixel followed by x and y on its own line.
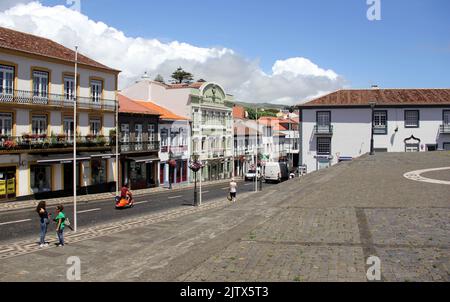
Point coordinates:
pixel 23 223
pixel 322 227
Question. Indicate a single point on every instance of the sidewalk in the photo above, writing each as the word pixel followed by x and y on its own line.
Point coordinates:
pixel 26 204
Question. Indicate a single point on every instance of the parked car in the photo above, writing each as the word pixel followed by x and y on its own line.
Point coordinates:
pixel 277 172
pixel 251 174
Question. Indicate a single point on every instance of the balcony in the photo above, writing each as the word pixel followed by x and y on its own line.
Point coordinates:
pixel 21 97
pixel 33 143
pixel 326 130
pixel 147 146
pixel 444 129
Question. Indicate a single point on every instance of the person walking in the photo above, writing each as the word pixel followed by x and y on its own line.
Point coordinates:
pixel 41 209
pixel 60 224
pixel 233 190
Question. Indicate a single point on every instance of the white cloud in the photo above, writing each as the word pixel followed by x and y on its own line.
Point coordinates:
pixel 291 81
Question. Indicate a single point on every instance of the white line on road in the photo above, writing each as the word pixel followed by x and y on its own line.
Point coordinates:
pixel 12 222
pixel 225 188
pixel 139 202
pixel 87 211
pixel 251 184
pixel 174 197
pixel 205 192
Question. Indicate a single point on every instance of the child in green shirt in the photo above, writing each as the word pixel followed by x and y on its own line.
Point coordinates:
pixel 60 224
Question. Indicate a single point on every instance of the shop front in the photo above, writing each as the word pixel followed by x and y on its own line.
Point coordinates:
pixel 174 171
pixel 7 183
pixel 140 172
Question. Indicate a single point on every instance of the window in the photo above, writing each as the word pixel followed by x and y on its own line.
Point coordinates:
pixel 6 80
pixel 5 124
pixel 164 137
pixel 96 126
pixel 380 122
pixel 68 127
pixel 151 132
pixel 138 132
pixel 69 88
pixel 39 124
pixel 324 145
pixel 40 84
pixel 96 90
pixel 40 178
pixel 323 120
pixel 411 118
pixel 446 117
pixel 98 171
pixel 125 133
pixel 446 146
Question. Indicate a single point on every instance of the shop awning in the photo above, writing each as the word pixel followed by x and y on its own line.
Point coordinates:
pixel 144 159
pixel 68 158
pixel 61 159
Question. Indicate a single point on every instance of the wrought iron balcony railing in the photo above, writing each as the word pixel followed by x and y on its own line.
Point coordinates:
pixel 30 142
pixel 323 129
pixel 145 146
pixel 57 100
pixel 444 129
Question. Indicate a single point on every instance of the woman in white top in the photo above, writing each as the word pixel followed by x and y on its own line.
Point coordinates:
pixel 233 190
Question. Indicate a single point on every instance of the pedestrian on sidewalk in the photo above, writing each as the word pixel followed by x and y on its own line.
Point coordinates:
pixel 41 209
pixel 60 224
pixel 233 190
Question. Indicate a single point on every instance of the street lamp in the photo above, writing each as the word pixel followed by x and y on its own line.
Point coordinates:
pixel 172 164
pixel 195 166
pixel 372 106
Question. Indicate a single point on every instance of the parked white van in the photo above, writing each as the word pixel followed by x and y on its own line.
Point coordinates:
pixel 276 172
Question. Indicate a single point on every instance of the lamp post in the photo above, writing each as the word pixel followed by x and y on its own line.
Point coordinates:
pixel 75 144
pixel 372 106
pixel 195 167
pixel 171 165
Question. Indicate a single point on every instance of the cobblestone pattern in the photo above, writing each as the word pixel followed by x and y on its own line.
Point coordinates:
pixel 249 261
pixel 410 227
pixel 331 225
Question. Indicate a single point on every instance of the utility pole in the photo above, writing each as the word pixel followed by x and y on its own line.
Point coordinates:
pixel 75 144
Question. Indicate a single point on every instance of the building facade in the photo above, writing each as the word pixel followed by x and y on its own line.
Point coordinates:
pixel 203 103
pixel 139 145
pixel 37 93
pixel 174 134
pixel 339 126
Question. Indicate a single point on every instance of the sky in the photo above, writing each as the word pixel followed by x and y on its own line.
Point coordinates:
pixel 279 51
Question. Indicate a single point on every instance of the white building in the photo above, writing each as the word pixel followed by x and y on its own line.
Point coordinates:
pixel 212 123
pixel 338 126
pixel 37 87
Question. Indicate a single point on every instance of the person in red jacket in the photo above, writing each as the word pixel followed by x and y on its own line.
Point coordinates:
pixel 126 193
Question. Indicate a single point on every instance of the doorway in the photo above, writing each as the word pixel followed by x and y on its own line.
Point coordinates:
pixel 7 183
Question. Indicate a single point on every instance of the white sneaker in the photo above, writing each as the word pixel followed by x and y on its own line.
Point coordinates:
pixel 41 245
pixel 46 244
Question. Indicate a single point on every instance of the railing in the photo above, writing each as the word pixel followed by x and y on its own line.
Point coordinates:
pixel 444 128
pixel 44 142
pixel 139 146
pixel 57 100
pixel 174 149
pixel 323 129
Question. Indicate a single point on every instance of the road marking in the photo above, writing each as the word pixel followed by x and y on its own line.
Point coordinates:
pixel 12 222
pixel 205 192
pixel 225 188
pixel 87 211
pixel 174 197
pixel 139 202
pixel 251 184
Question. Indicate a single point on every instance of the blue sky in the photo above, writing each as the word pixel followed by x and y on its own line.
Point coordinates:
pixel 409 47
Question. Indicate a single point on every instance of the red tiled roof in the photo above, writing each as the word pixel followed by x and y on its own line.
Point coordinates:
pixel 19 41
pixel 164 113
pixel 238 112
pixel 127 105
pixel 387 97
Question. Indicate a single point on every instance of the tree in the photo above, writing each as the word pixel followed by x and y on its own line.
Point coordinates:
pixel 159 78
pixel 180 76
